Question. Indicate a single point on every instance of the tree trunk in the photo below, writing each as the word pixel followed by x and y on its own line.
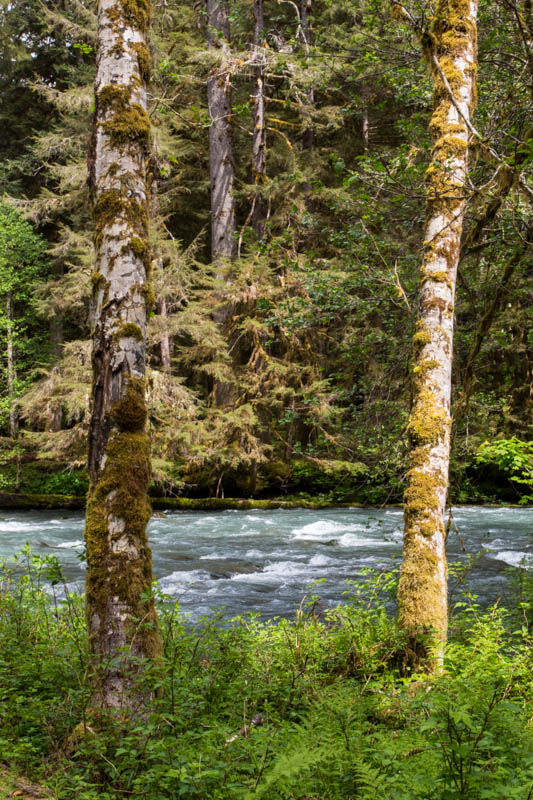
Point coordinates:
pixel 259 130
pixel 221 161
pixel 308 138
pixel 164 344
pixel 11 374
pixel 422 593
pixel 120 610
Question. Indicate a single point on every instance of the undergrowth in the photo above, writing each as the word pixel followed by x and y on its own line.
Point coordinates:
pixel 318 708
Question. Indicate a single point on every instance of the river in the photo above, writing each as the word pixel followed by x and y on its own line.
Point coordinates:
pixel 266 561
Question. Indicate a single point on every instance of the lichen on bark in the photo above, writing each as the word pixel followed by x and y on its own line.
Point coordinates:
pixel 121 617
pixel 450 47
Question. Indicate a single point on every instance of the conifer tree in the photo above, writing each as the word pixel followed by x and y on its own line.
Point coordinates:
pixel 120 611
pixel 221 158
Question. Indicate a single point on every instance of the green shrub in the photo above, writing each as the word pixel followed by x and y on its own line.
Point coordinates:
pixel 314 708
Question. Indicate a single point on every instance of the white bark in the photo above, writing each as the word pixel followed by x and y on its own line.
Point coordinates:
pixel 423 583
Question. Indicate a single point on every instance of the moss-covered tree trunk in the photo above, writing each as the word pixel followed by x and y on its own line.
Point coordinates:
pixel 221 160
pixel 451 52
pixel 120 611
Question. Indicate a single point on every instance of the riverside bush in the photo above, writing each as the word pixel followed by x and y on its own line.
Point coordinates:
pixel 313 708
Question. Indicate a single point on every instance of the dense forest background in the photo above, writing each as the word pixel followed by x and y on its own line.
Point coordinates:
pixel 282 367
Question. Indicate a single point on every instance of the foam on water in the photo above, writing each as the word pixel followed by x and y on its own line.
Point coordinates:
pixel 515 558
pixel 184 577
pixel 323 561
pixel 14 526
pixel 70 545
pixel 353 540
pixel 324 529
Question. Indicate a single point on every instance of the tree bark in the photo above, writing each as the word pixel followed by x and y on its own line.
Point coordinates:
pixel 221 160
pixel 164 344
pixel 422 593
pixel 121 618
pixel 11 373
pixel 259 130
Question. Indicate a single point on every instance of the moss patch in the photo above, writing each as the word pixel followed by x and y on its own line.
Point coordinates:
pixel 129 331
pixel 114 96
pixel 129 125
pixel 98 280
pixel 429 421
pixel 420 596
pixel 121 572
pixel 130 413
pixel 144 59
pixel 421 501
pixel 112 207
pixel 137 12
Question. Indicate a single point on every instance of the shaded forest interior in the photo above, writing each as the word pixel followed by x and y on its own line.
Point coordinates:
pixel 289 150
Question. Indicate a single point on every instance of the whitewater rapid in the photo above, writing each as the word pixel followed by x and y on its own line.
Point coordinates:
pixel 268 560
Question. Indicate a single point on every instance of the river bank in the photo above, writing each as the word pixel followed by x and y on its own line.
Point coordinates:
pixel 58 501
pixel 11 500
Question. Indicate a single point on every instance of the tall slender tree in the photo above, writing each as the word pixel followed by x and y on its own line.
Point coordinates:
pixel 221 158
pixel 259 122
pixel 120 610
pixel 451 51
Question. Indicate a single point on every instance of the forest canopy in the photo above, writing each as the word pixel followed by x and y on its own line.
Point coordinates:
pixel 280 359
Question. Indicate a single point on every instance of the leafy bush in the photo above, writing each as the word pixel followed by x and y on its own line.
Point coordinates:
pixel 314 708
pixel 513 457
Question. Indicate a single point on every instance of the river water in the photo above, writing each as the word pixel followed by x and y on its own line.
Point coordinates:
pixel 266 561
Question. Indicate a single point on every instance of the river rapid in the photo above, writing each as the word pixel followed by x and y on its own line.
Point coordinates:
pixel 268 560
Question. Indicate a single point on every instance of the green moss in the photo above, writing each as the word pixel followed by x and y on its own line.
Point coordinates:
pixel 139 248
pixel 422 336
pixel 137 12
pixel 130 413
pixel 111 206
pixel 424 366
pixel 120 494
pixel 450 145
pixel 439 276
pixel 453 16
pixel 130 125
pixel 149 296
pixel 429 421
pixel 20 500
pixel 421 500
pixel 108 207
pixel 113 96
pixel 129 330
pixel 144 59
pixel 98 280
pixel 420 598
pixel 453 75
pixel 420 590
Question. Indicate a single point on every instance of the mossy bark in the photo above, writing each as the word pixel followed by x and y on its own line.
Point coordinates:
pixel 422 595
pixel 120 610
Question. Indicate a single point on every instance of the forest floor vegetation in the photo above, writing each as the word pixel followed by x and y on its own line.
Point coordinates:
pixel 324 706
